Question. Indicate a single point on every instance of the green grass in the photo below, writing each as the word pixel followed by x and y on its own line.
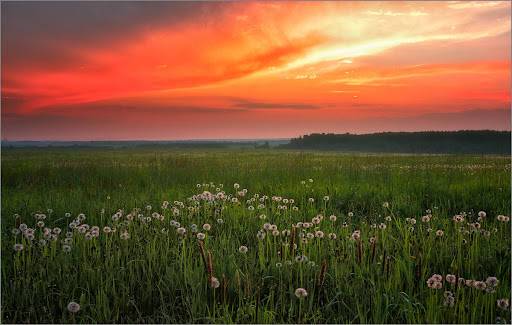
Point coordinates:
pixel 158 276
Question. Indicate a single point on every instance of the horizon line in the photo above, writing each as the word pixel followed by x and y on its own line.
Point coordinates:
pixel 244 139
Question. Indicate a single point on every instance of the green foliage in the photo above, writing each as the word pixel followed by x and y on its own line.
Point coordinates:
pixel 453 142
pixel 158 276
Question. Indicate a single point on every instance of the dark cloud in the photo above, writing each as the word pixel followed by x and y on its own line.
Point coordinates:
pixel 38 29
pixel 249 104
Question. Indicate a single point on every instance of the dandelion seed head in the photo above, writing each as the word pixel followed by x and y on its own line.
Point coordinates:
pixel 73 307
pixel 503 304
pixel 492 281
pixel 18 247
pixel 450 278
pixel 214 283
pixel 301 293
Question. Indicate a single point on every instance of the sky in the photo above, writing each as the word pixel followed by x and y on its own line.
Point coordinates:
pixel 246 70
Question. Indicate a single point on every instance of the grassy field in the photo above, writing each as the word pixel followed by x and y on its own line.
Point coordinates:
pixel 406 231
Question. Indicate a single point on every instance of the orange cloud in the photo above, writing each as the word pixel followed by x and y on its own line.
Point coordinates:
pixel 297 62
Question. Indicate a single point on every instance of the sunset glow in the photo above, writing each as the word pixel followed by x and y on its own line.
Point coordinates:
pixel 170 70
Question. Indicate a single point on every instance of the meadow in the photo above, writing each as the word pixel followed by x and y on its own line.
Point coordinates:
pixel 253 236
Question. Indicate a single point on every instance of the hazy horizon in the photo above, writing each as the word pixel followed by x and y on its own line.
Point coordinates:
pixel 92 71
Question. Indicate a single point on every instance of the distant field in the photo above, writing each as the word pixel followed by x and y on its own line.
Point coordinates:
pixel 158 275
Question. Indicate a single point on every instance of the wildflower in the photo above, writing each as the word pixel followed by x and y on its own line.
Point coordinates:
pixel 356 235
pixel 18 247
pixel 388 218
pixel 275 233
pixel 236 186
pixel 68 241
pixel 461 281
pixel 200 236
pixel 351 214
pixel 301 258
pixel 437 277
pixel 23 227
pixel 425 218
pixel 311 200
pixel 439 233
pixel 480 285
pixel 278 265
pixel 332 236
pixel 243 249
pixel 458 218
pixel 124 235
pixel 66 248
pixel 385 205
pixel 319 234
pixel 214 282
pixel 437 285
pixel 220 221
pixel 260 235
pixel 181 231
pixel 373 240
pixel 450 278
pixel 326 198
pixel 482 214
pixel 332 218
pixel 301 293
pixel 73 307
pixel 40 224
pixel 382 226
pixel 315 220
pixel 502 303
pixel 447 294
pixel 492 281
pixel 107 229
pixel 503 218
pixel 449 300
pixel 285 232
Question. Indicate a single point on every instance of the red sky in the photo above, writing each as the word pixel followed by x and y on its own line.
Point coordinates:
pixel 170 70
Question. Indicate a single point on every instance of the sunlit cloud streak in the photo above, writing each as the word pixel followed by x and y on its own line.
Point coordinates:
pixel 320 62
